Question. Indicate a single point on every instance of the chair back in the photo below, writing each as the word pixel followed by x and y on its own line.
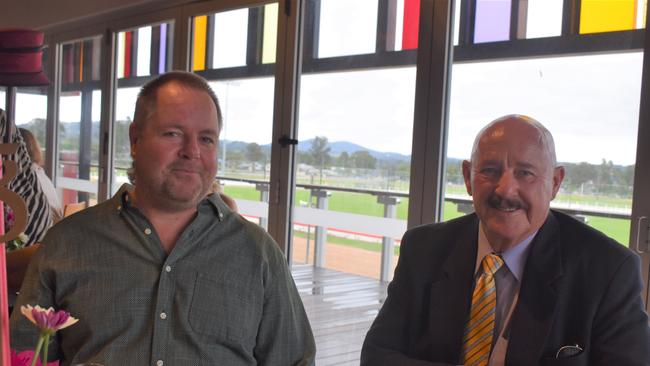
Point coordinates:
pixel 71 208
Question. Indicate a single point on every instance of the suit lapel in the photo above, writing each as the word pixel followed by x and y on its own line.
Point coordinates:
pixel 451 294
pixel 533 315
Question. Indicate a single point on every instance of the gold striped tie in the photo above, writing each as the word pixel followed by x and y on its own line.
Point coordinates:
pixel 477 340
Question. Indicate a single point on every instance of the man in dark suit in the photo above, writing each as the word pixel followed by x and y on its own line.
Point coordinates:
pixel 514 283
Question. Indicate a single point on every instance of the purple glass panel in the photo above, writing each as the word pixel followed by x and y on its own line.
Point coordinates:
pixel 162 58
pixel 492 21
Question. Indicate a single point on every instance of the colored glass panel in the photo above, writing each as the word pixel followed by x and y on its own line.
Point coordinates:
pixel 120 54
pixel 230 38
pixel 544 18
pixel 492 22
pixel 128 47
pixel 144 51
pixel 411 23
pixel 607 15
pixel 76 58
pixel 270 33
pixel 162 52
pixel 200 32
pixel 81 61
pixel 67 63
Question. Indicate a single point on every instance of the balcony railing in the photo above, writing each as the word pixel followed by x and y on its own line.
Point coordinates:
pixel 388 228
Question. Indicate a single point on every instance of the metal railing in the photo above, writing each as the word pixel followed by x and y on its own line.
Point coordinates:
pixel 388 227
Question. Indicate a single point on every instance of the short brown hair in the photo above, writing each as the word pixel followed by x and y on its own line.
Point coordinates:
pixel 146 101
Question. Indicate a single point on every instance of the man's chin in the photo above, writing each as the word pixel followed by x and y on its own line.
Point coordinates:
pixel 184 196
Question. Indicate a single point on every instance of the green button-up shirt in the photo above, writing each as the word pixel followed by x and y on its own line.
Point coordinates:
pixel 223 296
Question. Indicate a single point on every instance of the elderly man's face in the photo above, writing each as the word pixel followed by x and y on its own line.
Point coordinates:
pixel 512 181
pixel 175 152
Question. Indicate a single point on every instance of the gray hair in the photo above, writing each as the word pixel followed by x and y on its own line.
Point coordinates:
pixel 545 137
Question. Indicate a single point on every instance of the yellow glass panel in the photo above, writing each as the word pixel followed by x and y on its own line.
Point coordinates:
pixel 270 33
pixel 200 32
pixel 607 15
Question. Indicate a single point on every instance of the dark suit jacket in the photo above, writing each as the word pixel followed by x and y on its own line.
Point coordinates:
pixel 579 287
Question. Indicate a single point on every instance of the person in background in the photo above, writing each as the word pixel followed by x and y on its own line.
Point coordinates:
pixel 229 201
pixel 35 154
pixel 163 273
pixel 514 283
pixel 39 216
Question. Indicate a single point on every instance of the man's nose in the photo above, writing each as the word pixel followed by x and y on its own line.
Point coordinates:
pixel 190 148
pixel 507 185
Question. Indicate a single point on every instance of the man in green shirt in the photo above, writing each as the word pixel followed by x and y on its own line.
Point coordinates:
pixel 161 274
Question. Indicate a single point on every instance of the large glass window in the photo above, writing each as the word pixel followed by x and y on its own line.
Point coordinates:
pixel 31 113
pixel 587 101
pixel 77 171
pixel 355 126
pixel 142 53
pixel 355 129
pixel 235 51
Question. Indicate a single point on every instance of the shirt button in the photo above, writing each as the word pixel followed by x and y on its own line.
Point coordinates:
pixel 159 363
pixel 168 269
pixel 163 315
pixel 147 231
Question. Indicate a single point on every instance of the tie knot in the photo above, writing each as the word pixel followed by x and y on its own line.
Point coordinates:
pixel 491 263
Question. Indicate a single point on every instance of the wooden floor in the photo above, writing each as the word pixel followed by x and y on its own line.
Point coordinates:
pixel 340 307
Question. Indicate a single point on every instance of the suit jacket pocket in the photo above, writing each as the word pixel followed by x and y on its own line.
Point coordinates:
pixel 577 360
pixel 223 310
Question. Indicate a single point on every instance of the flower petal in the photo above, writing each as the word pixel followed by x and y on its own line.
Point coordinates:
pixel 27 312
pixel 70 321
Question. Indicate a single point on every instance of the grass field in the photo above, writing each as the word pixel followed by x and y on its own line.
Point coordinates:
pixel 365 204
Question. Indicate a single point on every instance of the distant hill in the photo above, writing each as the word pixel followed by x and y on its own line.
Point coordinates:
pixel 338 147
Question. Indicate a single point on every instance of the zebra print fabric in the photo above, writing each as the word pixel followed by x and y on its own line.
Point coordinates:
pixel 26 185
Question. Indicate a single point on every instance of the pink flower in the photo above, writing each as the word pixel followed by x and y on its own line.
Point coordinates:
pixel 48 320
pixel 25 359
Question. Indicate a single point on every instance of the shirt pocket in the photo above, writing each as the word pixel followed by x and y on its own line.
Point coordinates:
pixel 225 310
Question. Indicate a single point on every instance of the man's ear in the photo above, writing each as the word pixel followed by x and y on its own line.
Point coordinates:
pixel 133 137
pixel 467 176
pixel 558 177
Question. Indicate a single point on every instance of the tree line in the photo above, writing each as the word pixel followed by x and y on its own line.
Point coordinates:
pixel 605 178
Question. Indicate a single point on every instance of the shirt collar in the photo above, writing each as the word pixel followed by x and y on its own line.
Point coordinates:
pixel 514 258
pixel 123 200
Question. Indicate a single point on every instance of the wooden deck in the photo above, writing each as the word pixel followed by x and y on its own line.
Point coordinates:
pixel 340 307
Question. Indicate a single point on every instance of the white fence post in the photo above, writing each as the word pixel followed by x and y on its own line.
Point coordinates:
pixel 320 234
pixel 387 243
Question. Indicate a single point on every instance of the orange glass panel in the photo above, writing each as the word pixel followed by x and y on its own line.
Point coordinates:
pixel 200 32
pixel 81 61
pixel 607 15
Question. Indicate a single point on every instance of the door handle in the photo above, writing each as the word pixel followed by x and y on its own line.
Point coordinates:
pixel 642 235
